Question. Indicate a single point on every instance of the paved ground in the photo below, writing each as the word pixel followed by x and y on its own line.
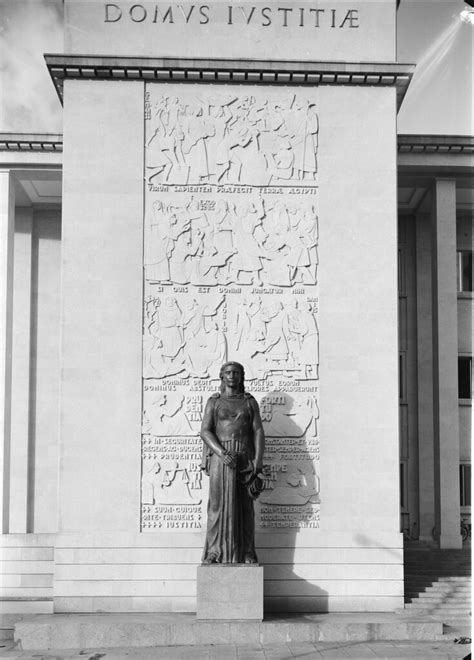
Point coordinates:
pixel 304 651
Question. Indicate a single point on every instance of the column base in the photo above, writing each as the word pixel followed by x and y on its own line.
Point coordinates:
pixel 450 541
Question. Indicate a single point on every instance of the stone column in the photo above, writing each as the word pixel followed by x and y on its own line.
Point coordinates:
pixel 7 221
pixel 425 376
pixel 102 254
pixel 21 384
pixel 445 354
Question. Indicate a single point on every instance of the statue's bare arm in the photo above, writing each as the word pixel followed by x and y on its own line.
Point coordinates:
pixel 259 436
pixel 209 437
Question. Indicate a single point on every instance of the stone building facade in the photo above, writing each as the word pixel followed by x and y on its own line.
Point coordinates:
pixel 202 207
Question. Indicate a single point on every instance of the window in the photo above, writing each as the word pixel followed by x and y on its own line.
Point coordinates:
pixel 465 484
pixel 464 377
pixel 464 270
pixel 403 484
pixel 402 376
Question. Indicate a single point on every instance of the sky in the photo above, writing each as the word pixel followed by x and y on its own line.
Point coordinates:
pixel 429 34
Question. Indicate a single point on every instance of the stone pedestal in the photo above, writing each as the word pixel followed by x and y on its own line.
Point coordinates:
pixel 230 591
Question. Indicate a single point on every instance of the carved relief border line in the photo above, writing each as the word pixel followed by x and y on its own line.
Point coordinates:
pixel 229 71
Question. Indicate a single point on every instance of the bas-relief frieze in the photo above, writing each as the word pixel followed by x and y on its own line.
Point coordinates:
pixel 230 137
pixel 190 335
pixel 230 272
pixel 216 241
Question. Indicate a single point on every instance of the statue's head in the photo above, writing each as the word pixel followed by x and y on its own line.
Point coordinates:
pixel 237 366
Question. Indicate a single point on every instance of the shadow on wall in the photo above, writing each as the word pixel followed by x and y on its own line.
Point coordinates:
pixel 365 541
pixel 289 504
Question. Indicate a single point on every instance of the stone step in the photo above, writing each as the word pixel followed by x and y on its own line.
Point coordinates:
pixel 436 598
pixel 440 599
pixel 453 612
pixel 26 605
pixel 440 589
pixel 443 579
pixel 438 567
pixel 438 572
pixel 427 587
pixel 61 631
pixel 451 607
pixel 447 579
pixel 444 589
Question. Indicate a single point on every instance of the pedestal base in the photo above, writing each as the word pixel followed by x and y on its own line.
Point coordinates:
pixel 230 591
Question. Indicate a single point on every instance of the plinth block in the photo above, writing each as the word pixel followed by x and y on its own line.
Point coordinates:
pixel 230 591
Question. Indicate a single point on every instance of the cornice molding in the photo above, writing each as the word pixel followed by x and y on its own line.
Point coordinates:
pixel 432 144
pixel 31 142
pixel 441 144
pixel 262 72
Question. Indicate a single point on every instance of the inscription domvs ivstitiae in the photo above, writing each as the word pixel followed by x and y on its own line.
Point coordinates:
pixel 239 15
pixel 230 273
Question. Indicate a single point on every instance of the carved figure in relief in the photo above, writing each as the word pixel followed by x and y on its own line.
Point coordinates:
pixel 250 251
pixel 164 341
pixel 173 485
pixel 303 126
pixel 159 243
pixel 226 138
pixel 291 419
pixel 275 345
pixel 222 248
pixel 196 130
pixel 165 414
pixel 187 341
pixel 218 144
pixel 292 489
pixel 282 160
pixel 205 342
pixel 312 404
pixel 245 243
pixel 150 483
pixel 310 342
pixel 170 328
pixel 234 442
pixel 180 264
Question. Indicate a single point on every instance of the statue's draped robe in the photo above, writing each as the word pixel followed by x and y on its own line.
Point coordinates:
pixel 230 511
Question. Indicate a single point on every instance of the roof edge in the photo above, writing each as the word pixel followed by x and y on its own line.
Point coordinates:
pixel 275 72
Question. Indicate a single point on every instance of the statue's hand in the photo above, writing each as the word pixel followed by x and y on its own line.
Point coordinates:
pixel 262 470
pixel 230 458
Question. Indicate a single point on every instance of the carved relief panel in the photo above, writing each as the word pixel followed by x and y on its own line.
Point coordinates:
pixel 231 235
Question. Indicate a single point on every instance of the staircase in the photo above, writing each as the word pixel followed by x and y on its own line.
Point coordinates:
pixel 438 584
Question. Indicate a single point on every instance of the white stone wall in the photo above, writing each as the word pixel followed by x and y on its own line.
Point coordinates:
pixel 102 562
pixel 101 306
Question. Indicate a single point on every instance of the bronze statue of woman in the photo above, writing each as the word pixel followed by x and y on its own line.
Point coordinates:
pixel 234 444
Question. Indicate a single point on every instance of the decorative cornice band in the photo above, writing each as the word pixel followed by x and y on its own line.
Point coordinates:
pixel 261 72
pixel 31 142
pixel 440 144
pixel 431 144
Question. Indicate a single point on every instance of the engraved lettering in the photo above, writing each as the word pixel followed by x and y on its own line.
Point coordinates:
pixel 203 10
pixel 187 15
pixel 285 11
pixel 137 13
pixel 352 17
pixel 266 15
pixel 249 17
pixel 113 13
pixel 316 12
